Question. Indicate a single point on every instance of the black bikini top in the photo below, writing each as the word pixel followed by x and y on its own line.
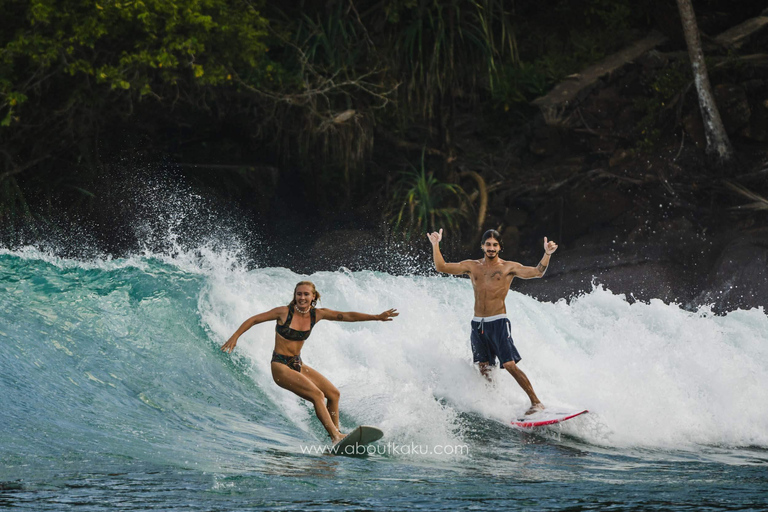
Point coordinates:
pixel 286 332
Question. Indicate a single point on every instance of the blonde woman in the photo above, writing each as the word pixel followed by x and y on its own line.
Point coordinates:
pixel 294 325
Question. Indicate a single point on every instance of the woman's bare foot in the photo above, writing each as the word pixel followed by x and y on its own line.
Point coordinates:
pixel 338 438
pixel 535 408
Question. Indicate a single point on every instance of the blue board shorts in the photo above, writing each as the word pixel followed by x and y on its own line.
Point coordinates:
pixel 491 338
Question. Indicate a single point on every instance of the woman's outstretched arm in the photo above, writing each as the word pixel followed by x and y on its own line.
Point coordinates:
pixel 354 316
pixel 272 314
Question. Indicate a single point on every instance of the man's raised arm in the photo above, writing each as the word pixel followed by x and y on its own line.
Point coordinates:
pixel 440 264
pixel 539 270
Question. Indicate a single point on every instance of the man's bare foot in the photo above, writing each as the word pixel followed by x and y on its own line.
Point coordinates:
pixel 535 408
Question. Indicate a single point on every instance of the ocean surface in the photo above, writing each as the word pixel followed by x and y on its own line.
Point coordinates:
pixel 114 395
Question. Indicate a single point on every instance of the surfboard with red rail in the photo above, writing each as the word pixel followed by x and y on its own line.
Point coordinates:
pixel 545 418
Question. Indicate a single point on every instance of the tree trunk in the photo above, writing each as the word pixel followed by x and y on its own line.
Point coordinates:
pixel 718 145
pixel 483 192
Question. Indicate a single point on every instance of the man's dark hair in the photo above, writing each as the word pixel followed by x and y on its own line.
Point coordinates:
pixel 492 233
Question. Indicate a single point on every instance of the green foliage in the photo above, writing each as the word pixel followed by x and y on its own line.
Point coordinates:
pixel 343 82
pixel 599 15
pixel 614 15
pixel 335 42
pixel 444 48
pixel 308 88
pixel 665 88
pixel 14 210
pixel 425 203
pixel 135 47
pixel 69 68
pixel 558 39
pixel 521 83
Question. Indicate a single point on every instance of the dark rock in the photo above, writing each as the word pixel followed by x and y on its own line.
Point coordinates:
pixel 666 260
pixel 344 248
pixel 588 207
pixel 739 278
pixel 643 281
pixel 648 267
pixel 670 262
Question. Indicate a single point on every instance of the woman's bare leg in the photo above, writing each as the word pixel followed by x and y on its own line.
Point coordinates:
pixel 299 384
pixel 327 388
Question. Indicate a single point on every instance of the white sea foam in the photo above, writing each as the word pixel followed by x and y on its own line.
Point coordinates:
pixel 652 375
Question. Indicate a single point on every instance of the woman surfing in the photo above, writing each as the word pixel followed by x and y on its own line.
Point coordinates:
pixel 294 325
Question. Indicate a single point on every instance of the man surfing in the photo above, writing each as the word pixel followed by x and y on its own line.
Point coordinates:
pixel 491 330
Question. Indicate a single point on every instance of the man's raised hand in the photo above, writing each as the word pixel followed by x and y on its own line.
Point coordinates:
pixel 549 247
pixel 435 237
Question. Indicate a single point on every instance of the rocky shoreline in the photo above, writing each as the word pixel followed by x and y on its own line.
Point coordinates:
pixel 726 271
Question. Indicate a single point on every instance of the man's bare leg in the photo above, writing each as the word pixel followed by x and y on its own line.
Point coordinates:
pixel 522 379
pixel 485 371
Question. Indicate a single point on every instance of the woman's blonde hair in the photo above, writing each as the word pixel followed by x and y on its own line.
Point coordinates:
pixel 314 292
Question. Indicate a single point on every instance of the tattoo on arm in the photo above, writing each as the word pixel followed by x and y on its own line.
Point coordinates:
pixel 339 317
pixel 541 268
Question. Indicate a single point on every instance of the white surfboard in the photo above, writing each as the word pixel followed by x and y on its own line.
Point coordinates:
pixel 546 417
pixel 353 442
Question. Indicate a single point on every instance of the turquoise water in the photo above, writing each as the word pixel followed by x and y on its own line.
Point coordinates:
pixel 114 396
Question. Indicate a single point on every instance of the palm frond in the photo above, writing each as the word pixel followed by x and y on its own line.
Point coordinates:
pixel 422 202
pixel 759 203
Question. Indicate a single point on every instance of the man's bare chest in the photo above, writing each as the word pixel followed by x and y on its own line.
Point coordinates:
pixel 492 278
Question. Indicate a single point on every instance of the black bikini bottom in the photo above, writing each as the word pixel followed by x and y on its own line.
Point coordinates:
pixel 292 362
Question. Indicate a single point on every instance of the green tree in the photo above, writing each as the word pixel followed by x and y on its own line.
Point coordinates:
pixel 425 203
pixel 444 51
pixel 68 67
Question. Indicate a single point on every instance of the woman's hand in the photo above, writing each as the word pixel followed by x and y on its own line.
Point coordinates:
pixel 229 346
pixel 387 315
